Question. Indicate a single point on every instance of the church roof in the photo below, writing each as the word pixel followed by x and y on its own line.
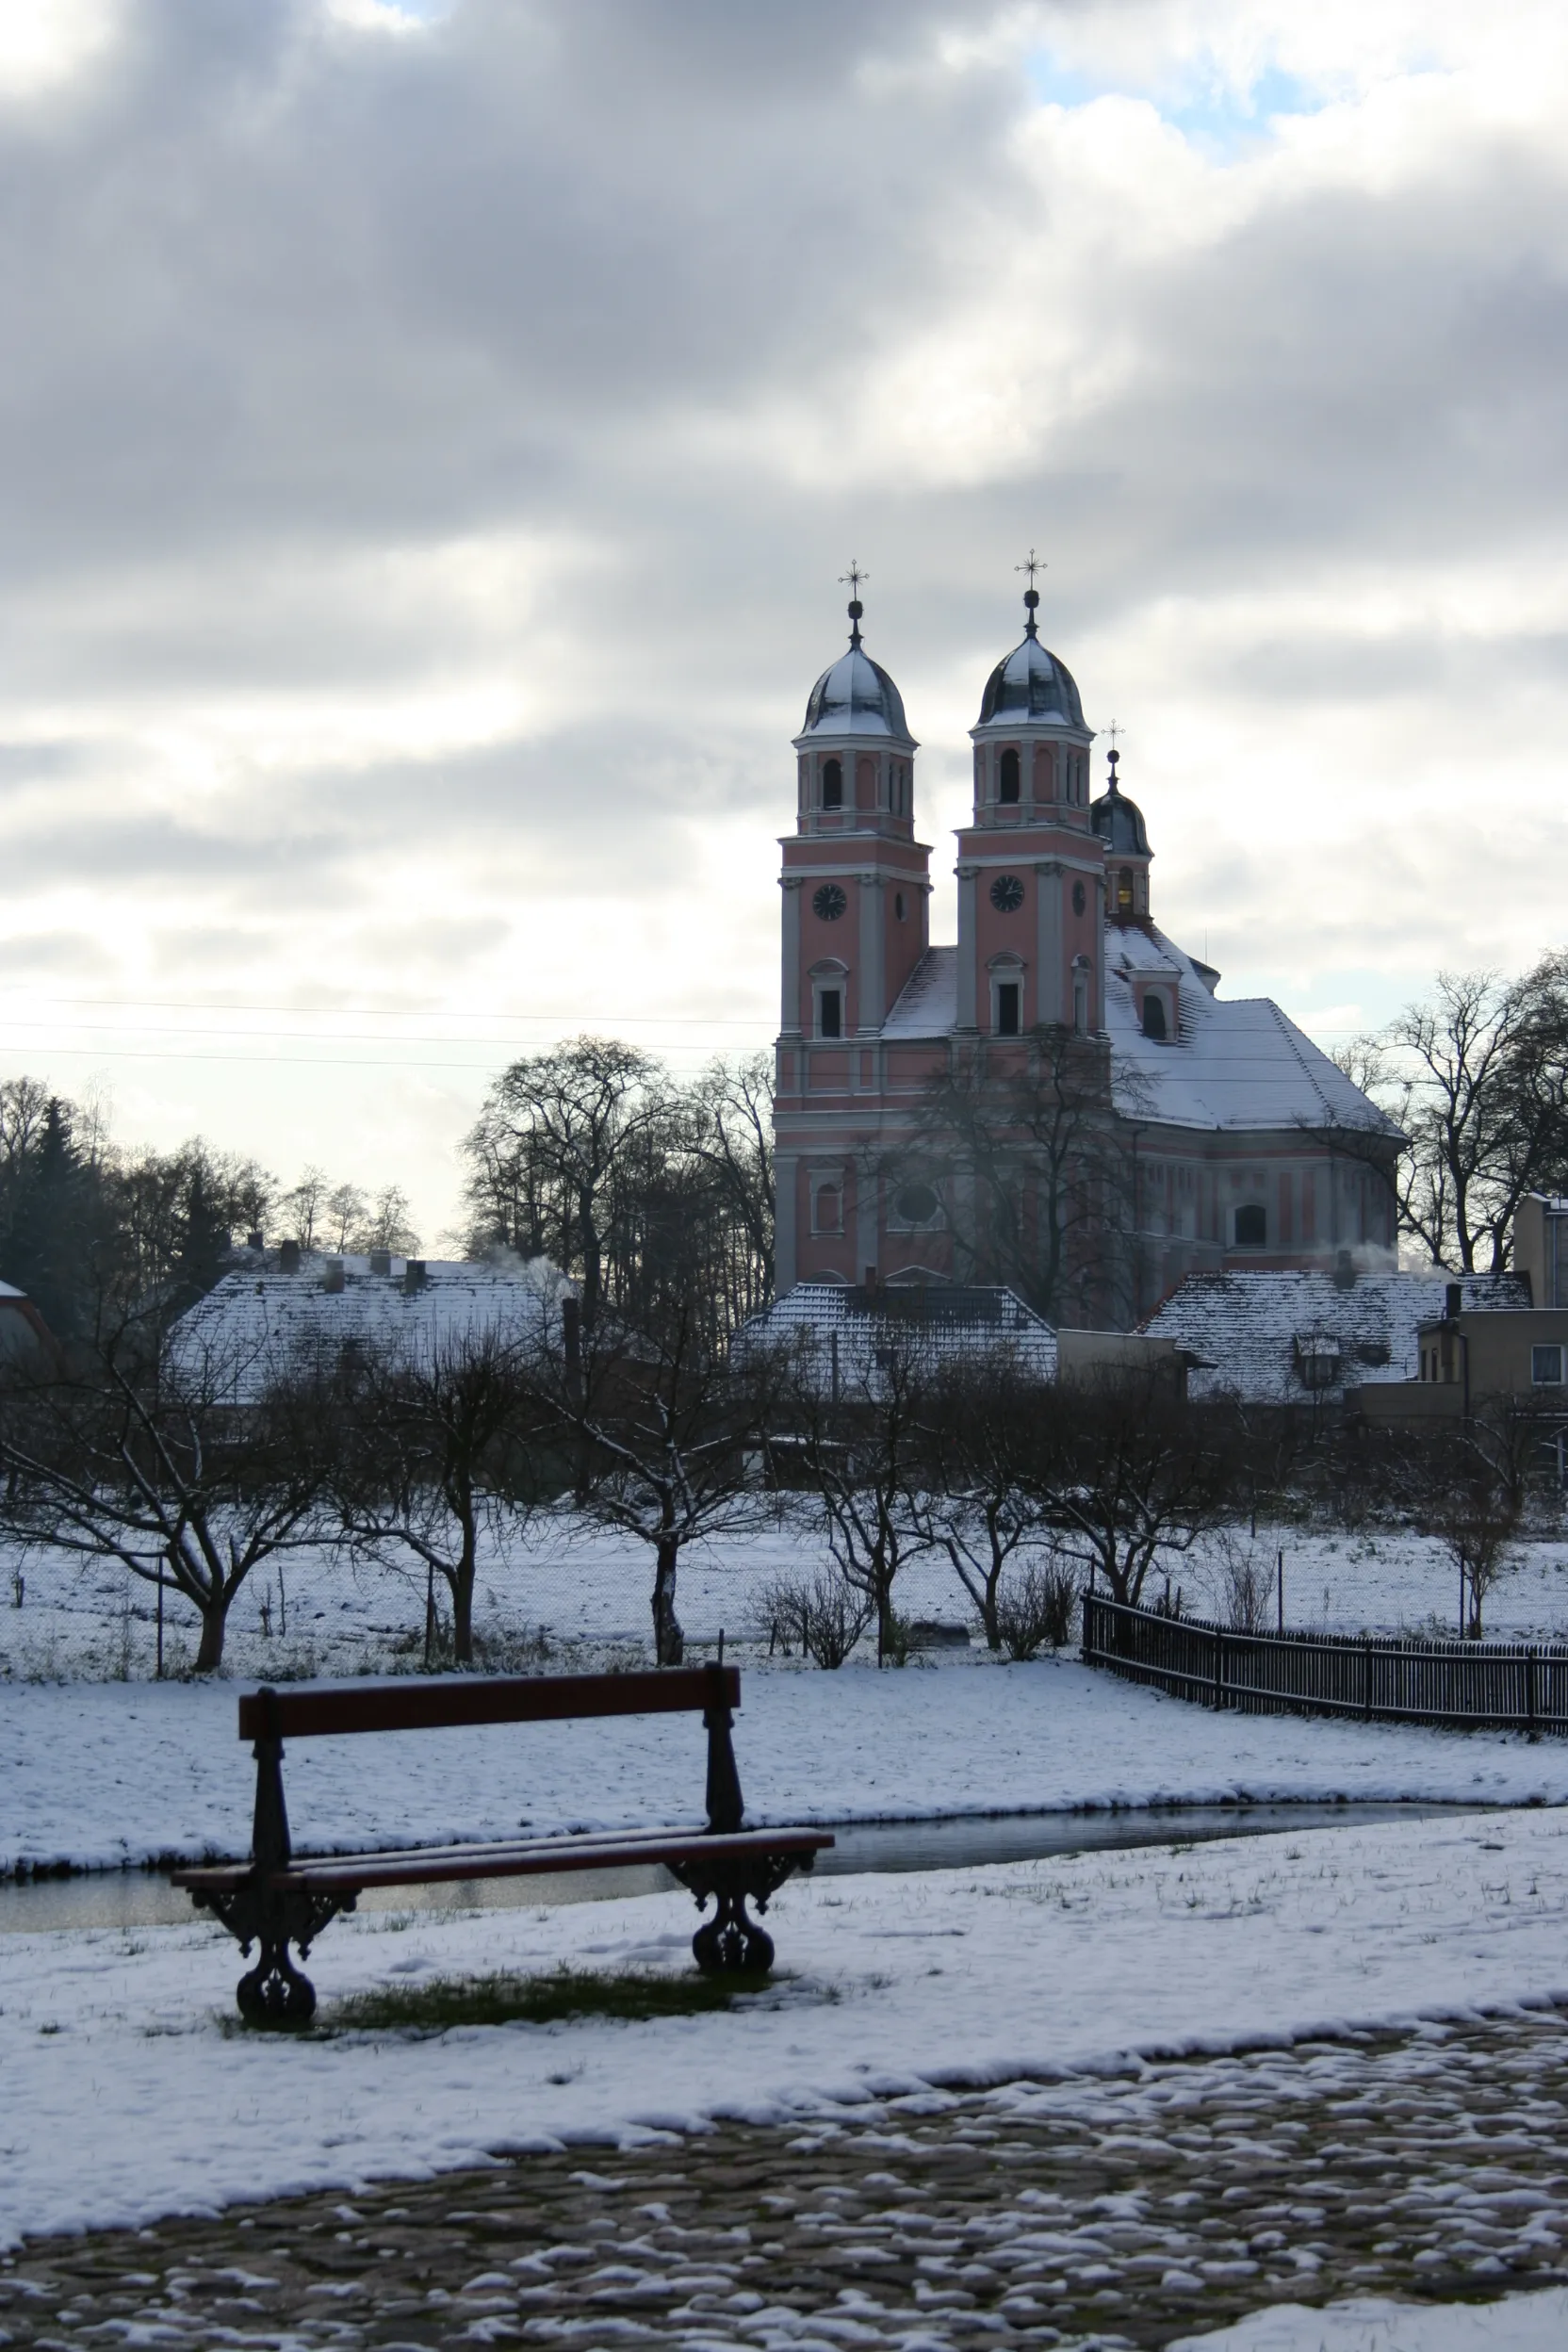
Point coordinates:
pixel 1253 1329
pixel 1031 684
pixel 1235 1064
pixel 937 1324
pixel 855 696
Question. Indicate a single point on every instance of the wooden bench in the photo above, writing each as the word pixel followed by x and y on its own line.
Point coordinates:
pixel 275 1901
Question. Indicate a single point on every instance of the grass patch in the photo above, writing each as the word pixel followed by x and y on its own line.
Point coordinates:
pixel 509 1998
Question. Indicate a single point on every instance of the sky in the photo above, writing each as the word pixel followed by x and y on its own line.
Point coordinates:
pixel 434 435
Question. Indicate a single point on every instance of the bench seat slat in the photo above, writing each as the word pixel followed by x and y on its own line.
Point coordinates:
pixel 311 1712
pixel 411 1867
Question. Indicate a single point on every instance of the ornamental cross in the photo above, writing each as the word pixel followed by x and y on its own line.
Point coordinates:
pixel 1113 732
pixel 1034 564
pixel 852 579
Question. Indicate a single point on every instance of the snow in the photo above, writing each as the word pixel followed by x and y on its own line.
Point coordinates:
pixel 1239 1064
pixel 102 1775
pixel 928 1005
pixel 559 1593
pixel 846 1328
pixel 1245 1326
pixel 253 1323
pixel 127 2097
pixel 1523 2323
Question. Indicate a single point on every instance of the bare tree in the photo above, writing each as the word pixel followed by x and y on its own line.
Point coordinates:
pixel 444 1443
pixel 188 1475
pixel 1029 1152
pixel 974 1497
pixel 1476 1077
pixel 664 1429
pixel 860 1438
pixel 1129 1471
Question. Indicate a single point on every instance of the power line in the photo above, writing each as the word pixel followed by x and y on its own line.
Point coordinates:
pixel 390 1012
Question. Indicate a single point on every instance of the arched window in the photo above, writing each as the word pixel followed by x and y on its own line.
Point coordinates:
pixel 1081 1003
pixel 1006 778
pixel 1124 892
pixel 898 905
pixel 1153 1018
pixel 832 784
pixel 1252 1227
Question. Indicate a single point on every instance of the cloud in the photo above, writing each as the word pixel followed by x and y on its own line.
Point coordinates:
pixel 436 433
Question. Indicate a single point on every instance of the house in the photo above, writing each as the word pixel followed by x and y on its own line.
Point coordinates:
pixel 279 1305
pixel 1307 1336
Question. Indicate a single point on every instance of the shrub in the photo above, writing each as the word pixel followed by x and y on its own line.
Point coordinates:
pixel 823 1616
pixel 1036 1608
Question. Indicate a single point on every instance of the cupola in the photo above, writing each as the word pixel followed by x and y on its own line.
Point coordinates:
pixel 1119 823
pixel 855 751
pixel 1030 743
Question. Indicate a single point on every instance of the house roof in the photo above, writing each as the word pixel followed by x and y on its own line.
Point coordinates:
pixel 259 1318
pixel 941 1322
pixel 1250 1330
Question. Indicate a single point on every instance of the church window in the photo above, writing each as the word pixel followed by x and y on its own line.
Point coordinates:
pixel 1006 784
pixel 898 905
pixel 1153 1017
pixel 1081 1003
pixel 1079 900
pixel 1008 995
pixel 832 784
pixel 827 1205
pixel 1251 1226
pixel 915 1204
pixel 1124 892
pixel 830 1013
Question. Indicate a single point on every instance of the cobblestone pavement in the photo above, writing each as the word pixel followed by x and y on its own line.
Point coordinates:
pixel 1115 2212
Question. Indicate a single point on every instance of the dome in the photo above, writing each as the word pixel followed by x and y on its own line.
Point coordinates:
pixel 1031 684
pixel 1118 821
pixel 856 697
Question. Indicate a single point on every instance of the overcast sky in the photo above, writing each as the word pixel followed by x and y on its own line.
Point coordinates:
pixel 433 435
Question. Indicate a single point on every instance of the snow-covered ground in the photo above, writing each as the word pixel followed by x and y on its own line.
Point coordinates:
pixel 102 1774
pixel 126 2097
pixel 1521 2322
pixel 567 1594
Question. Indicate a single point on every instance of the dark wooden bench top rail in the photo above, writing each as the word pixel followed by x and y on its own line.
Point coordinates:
pixel 275 1901
pixel 310 1712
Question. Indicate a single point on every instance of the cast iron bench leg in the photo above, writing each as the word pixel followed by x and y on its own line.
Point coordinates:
pixel 275 1992
pixel 730 1943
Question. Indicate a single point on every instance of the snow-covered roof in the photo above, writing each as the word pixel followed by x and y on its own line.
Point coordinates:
pixel 938 1323
pixel 1236 1064
pixel 261 1317
pixel 1252 1329
pixel 928 1005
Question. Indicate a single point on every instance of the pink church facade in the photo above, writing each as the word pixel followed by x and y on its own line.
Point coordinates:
pixel 1244 1144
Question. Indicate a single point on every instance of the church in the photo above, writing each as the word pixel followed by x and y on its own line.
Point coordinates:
pixel 1210 1133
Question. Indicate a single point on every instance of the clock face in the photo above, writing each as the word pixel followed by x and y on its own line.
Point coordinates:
pixel 828 902
pixel 1007 893
pixel 1077 898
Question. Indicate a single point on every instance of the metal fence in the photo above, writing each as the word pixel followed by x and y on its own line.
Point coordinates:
pixel 1472 1686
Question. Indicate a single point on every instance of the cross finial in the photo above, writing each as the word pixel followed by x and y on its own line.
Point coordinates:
pixel 1112 758
pixel 1031 564
pixel 851 580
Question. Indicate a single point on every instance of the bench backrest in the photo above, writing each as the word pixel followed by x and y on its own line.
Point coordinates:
pixel 312 1710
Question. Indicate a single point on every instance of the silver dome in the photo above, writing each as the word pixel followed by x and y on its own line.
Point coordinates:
pixel 856 697
pixel 1031 684
pixel 1118 821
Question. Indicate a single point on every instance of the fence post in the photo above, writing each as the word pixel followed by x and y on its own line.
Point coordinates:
pixel 1367 1681
pixel 1529 1692
pixel 1088 1605
pixel 1218 1669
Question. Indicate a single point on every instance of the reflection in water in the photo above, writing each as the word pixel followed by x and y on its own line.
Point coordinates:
pixel 142 1899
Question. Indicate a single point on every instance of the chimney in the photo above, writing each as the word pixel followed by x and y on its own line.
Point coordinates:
pixel 381 1261
pixel 332 1280
pixel 1345 1271
pixel 253 1241
pixel 1453 1304
pixel 288 1257
pixel 413 1275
